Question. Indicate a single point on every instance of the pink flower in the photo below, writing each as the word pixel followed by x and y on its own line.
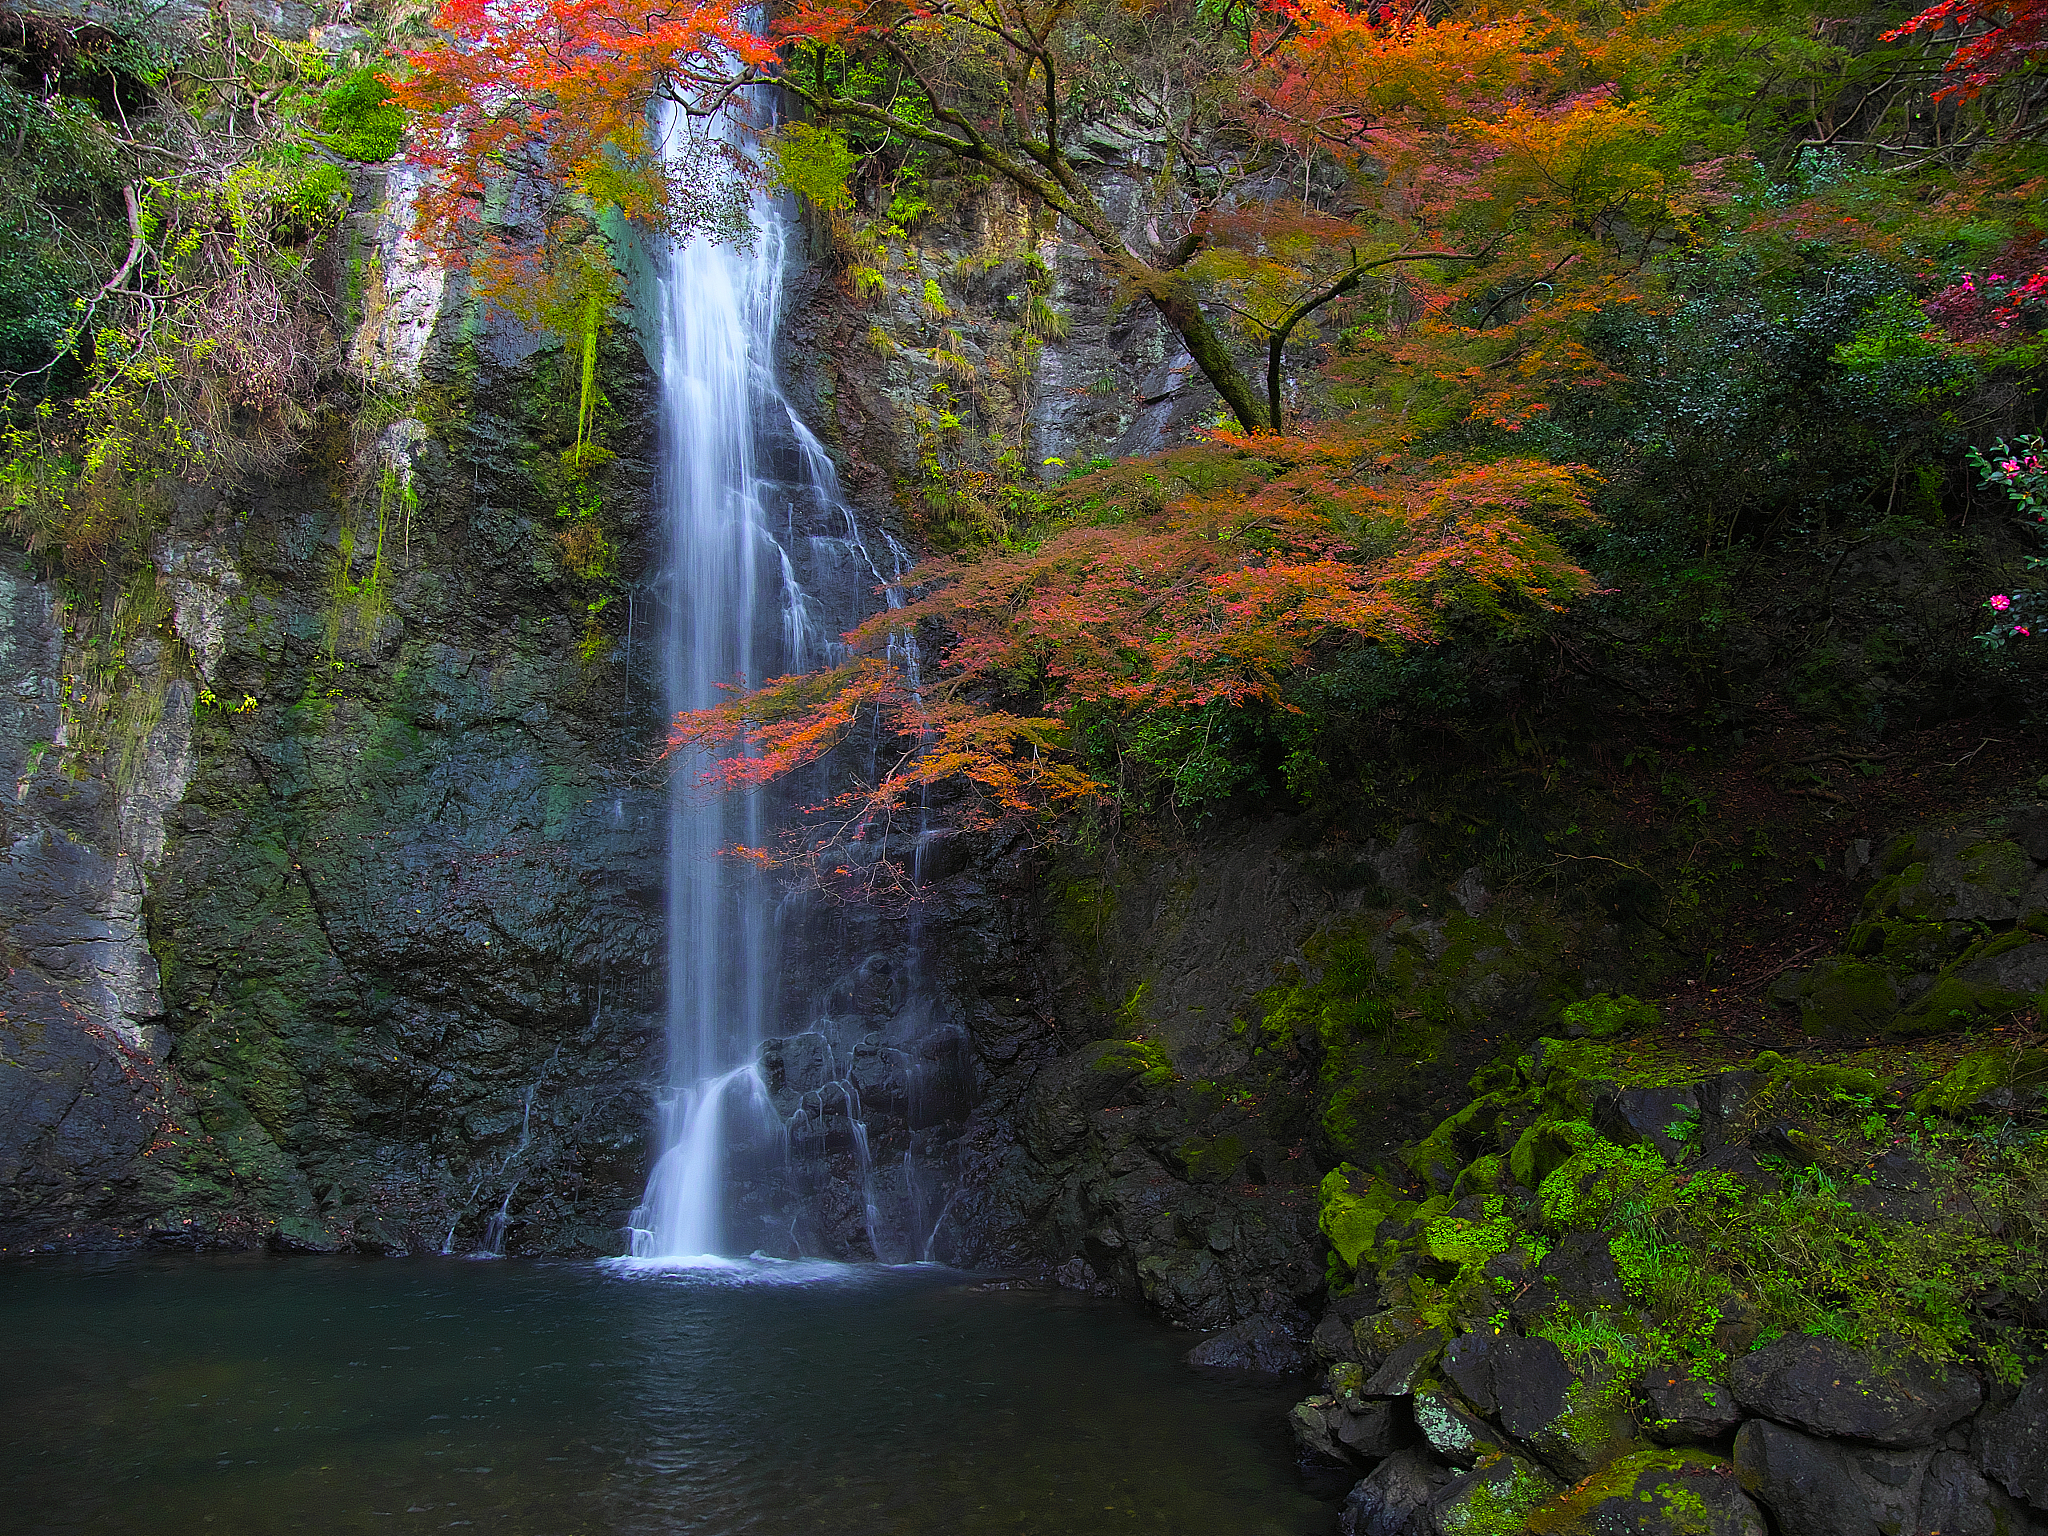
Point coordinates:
pixel 1998 277
pixel 2021 629
pixel 2001 602
pixel 2009 466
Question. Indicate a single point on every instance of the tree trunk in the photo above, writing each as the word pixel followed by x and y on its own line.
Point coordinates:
pixel 1174 298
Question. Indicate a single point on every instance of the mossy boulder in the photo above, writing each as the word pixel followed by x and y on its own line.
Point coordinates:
pixel 1913 948
pixel 1990 980
pixel 1486 1175
pixel 1602 1015
pixel 1353 1205
pixel 1846 996
pixel 1654 1493
pixel 1440 1156
pixel 1804 1087
pixel 1542 1149
pixel 1987 881
pixel 1496 1498
pixel 1986 1079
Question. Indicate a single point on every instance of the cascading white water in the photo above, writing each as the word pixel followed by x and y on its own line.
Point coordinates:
pixel 745 488
pixel 735 609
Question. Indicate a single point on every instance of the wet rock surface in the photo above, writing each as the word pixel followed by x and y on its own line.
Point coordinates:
pixel 1655 1494
pixel 2012 1444
pixel 1818 1485
pixel 1679 1409
pixel 1270 1345
pixel 1394 1500
pixel 1829 1388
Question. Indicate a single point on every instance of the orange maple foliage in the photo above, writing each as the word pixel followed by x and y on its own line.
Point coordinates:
pixel 548 106
pixel 1501 191
pixel 1500 194
pixel 1204 575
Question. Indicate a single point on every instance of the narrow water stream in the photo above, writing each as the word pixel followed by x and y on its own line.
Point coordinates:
pixel 251 1394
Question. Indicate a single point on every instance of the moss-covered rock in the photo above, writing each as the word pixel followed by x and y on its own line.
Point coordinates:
pixel 1352 1207
pixel 1211 1159
pixel 1985 1079
pixel 1948 879
pixel 1987 982
pixel 1496 1498
pixel 1911 948
pixel 1602 1014
pixel 1844 996
pixel 1654 1493
pixel 1142 1059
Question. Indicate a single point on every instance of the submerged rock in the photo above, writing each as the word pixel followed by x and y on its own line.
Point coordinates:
pixel 1267 1345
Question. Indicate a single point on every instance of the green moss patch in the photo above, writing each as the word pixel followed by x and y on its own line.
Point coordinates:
pixel 1211 1159
pixel 1150 1062
pixel 1981 1074
pixel 1353 1204
pixel 1604 1015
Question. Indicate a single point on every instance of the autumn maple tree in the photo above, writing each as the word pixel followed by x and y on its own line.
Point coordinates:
pixel 1200 577
pixel 529 115
pixel 1441 200
pixel 1464 167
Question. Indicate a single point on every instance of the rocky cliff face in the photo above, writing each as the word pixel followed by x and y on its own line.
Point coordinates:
pixel 357 937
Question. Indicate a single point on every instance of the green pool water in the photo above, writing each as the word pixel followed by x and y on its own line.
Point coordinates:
pixel 250 1394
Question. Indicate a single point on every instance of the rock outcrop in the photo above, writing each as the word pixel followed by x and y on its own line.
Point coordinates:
pixel 1641 1284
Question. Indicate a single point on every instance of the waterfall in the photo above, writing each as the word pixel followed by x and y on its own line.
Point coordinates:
pixel 762 551
pixel 734 609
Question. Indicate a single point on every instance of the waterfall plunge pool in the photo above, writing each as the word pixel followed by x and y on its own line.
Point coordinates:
pixel 246 1394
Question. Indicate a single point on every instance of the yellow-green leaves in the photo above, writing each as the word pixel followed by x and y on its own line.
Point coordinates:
pixel 814 163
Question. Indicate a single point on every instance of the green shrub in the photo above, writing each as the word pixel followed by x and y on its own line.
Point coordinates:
pixel 361 120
